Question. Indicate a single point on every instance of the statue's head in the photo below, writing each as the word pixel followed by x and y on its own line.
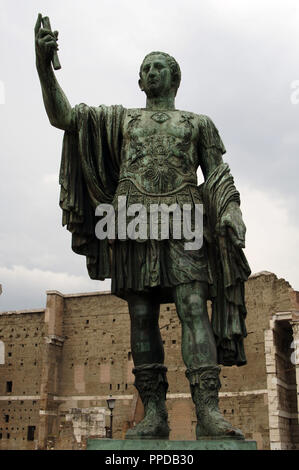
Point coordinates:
pixel 159 73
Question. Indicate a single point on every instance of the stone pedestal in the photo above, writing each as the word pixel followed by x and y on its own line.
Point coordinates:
pixel 164 445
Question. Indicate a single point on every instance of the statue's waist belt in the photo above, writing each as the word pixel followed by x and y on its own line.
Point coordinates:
pixel 187 193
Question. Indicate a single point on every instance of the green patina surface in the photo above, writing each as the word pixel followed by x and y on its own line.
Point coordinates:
pixel 163 445
pixel 149 156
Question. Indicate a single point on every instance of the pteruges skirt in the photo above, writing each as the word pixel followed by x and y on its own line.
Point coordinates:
pixel 155 266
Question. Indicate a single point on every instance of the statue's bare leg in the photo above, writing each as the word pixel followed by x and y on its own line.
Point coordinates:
pixel 200 356
pixel 149 370
pixel 146 342
pixel 198 342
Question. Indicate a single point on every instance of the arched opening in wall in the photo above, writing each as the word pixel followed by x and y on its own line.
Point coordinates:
pixel 2 352
pixel 282 383
pixel 287 388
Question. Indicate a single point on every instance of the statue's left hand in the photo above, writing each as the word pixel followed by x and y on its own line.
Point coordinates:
pixel 232 222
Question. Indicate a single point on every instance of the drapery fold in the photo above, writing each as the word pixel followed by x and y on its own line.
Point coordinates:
pixel 89 176
pixel 229 269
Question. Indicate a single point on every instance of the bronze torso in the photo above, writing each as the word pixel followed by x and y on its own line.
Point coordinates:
pixel 159 157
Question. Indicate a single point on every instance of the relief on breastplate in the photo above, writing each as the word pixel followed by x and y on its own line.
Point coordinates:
pixel 158 158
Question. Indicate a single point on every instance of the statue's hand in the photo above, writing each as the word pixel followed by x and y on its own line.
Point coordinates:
pixel 45 42
pixel 232 222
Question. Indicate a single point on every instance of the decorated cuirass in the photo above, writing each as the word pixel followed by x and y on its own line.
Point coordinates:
pixel 159 156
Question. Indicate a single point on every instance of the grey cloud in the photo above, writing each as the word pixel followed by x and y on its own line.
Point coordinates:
pixel 237 63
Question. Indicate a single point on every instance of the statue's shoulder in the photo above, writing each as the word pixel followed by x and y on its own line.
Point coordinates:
pixel 98 109
pixel 209 133
pixel 205 121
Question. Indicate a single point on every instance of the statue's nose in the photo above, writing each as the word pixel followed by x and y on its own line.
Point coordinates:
pixel 152 72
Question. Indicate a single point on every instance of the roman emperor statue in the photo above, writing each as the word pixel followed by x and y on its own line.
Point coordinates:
pixel 149 156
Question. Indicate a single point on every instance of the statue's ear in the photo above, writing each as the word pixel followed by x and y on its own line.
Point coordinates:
pixel 140 84
pixel 174 84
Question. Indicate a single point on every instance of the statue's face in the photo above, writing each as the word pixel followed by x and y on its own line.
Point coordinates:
pixel 156 77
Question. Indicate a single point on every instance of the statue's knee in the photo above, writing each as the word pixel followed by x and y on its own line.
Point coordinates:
pixel 143 313
pixel 196 305
pixel 192 306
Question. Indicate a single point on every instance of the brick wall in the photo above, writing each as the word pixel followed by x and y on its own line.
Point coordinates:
pixel 22 337
pixel 80 346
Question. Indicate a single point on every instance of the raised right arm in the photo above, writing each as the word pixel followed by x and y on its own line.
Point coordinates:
pixel 57 106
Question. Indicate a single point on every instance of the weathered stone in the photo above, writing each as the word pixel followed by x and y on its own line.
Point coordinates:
pixel 249 398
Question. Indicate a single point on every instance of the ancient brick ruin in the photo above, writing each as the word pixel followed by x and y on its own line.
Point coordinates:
pixel 58 366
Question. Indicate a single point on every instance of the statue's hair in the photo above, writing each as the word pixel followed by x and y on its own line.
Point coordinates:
pixel 173 65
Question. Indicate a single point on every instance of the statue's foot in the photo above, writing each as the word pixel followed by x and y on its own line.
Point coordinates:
pixel 205 386
pixel 152 386
pixel 146 429
pixel 215 426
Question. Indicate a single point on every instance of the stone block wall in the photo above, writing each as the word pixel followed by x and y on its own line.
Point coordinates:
pixel 21 334
pixel 80 345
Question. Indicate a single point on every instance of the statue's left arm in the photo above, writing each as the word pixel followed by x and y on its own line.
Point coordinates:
pixel 226 238
pixel 211 151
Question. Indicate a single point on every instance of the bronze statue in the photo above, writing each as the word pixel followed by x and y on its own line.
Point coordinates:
pixel 150 156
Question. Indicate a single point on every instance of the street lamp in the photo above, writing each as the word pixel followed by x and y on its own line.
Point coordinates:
pixel 110 404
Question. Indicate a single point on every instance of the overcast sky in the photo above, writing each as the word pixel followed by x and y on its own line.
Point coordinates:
pixel 239 61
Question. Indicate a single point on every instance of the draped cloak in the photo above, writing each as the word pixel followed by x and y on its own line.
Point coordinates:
pixel 89 176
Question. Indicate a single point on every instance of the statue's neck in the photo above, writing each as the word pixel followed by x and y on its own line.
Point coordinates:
pixel 160 103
